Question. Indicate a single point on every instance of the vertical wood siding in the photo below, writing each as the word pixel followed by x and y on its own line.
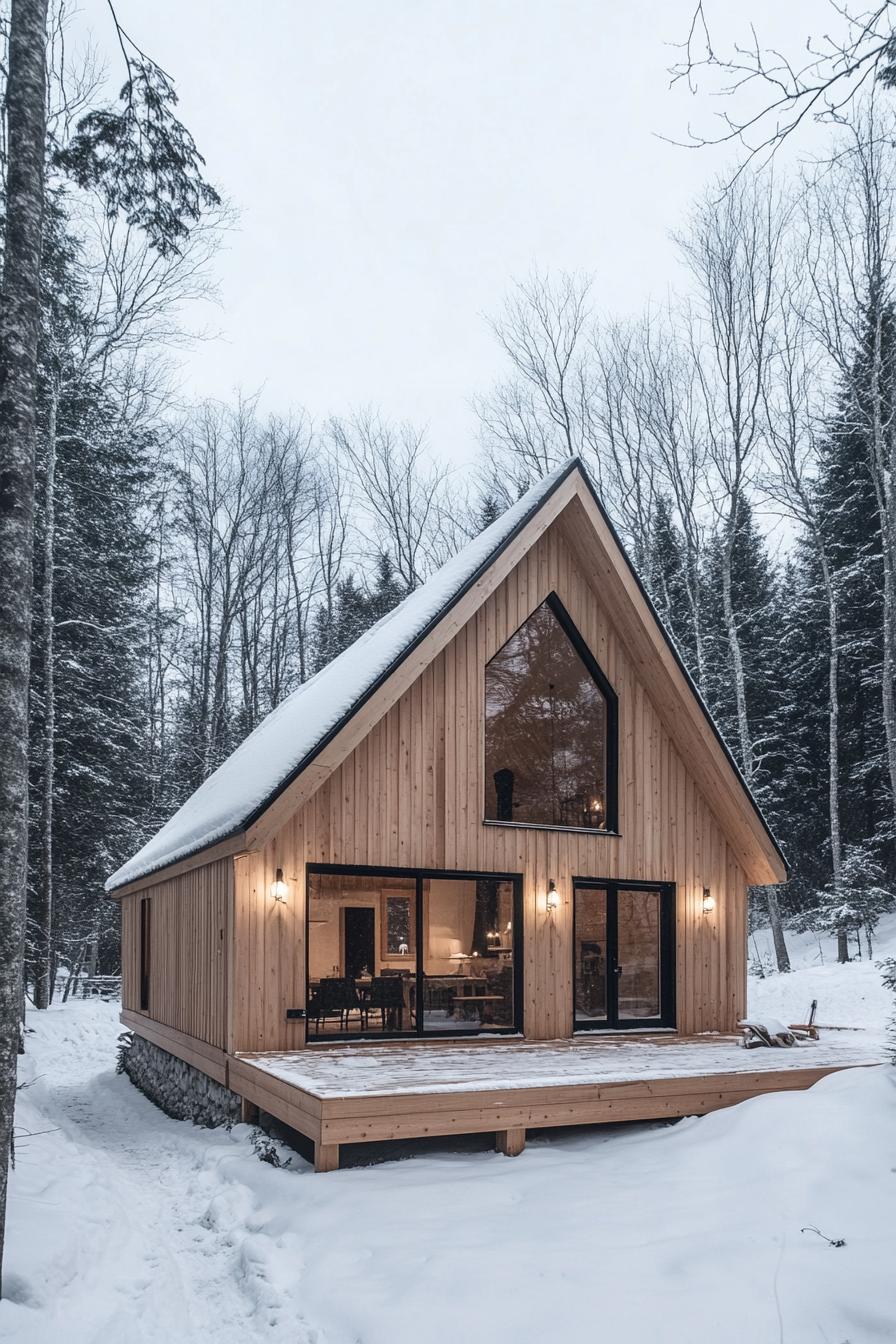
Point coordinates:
pixel 189 953
pixel 412 795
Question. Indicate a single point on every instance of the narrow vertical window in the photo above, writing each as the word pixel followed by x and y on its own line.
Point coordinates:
pixel 145 953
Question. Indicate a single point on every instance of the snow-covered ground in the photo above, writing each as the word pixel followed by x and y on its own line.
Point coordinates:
pixel 849 996
pixel 128 1226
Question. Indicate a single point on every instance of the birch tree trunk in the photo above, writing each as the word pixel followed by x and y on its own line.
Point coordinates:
pixel 776 923
pixel 26 100
pixel 834 737
pixel 737 661
pixel 43 906
pixel 733 248
pixel 882 466
pixel 888 671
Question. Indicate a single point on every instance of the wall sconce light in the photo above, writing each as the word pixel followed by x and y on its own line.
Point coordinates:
pixel 709 901
pixel 278 886
pixel 552 900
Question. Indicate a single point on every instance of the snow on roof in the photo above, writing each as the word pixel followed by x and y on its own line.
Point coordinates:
pixel 291 734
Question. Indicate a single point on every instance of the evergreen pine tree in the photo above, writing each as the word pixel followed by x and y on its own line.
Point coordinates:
pixel 850 521
pixel 756 605
pixel 667 581
pixel 356 610
pixel 88 726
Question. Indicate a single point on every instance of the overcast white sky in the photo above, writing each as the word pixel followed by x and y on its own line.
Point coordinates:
pixel 396 162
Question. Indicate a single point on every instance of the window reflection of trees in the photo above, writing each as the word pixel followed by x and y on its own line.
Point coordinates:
pixel 546 729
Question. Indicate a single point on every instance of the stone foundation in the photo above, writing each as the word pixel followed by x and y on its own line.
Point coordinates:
pixel 174 1086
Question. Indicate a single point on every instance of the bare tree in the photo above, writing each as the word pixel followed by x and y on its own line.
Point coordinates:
pixel 396 488
pixel 680 445
pixel 733 248
pixel 768 95
pixel 219 501
pixel 851 264
pixel 332 508
pixel 619 434
pixel 134 298
pixel 795 406
pixel 274 617
pixel 543 331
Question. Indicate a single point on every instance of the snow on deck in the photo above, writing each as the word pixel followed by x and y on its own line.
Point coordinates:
pixel 353 1071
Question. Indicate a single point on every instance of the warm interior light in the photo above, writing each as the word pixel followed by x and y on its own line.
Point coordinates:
pixel 709 901
pixel 278 886
pixel 594 811
pixel 552 899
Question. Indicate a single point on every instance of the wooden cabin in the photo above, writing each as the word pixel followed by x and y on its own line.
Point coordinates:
pixel 503 817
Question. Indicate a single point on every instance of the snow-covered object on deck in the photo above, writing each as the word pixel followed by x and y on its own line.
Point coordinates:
pixel 291 734
pixel 767 1032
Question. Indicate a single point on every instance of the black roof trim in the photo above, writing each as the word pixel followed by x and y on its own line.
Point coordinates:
pixel 673 649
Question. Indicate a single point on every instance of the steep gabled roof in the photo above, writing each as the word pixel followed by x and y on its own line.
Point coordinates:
pixel 289 739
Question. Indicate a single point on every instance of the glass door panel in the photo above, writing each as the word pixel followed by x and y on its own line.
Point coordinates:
pixel 591 999
pixel 623 949
pixel 638 955
pixel 468 980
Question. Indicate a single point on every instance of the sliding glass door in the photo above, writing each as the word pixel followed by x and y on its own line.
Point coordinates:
pixel 399 953
pixel 623 955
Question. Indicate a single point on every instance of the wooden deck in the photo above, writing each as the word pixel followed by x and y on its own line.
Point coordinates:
pixel 361 1094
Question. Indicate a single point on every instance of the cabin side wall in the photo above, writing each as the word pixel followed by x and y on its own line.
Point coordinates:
pixel 412 795
pixel 190 921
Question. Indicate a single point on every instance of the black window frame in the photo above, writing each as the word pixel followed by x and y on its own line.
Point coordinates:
pixel 667 1019
pixel 611 819
pixel 421 875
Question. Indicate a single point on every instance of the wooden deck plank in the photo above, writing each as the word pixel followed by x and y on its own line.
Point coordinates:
pixel 346 1073
pixel 405 1112
pixel 495 1118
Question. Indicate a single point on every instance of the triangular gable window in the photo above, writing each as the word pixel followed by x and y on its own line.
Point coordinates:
pixel 550 729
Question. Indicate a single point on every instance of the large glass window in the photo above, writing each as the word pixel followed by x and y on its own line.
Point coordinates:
pixel 369 973
pixel 468 955
pixel 550 727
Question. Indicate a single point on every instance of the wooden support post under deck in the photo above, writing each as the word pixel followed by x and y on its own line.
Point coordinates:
pixel 326 1157
pixel 510 1142
pixel 248 1112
